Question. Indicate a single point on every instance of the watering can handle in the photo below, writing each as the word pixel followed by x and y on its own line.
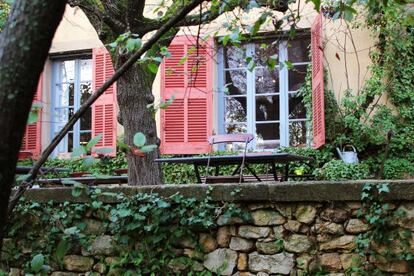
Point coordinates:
pixel 353 148
pixel 339 152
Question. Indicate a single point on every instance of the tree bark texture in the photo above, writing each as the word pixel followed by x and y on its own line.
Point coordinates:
pixel 134 94
pixel 24 46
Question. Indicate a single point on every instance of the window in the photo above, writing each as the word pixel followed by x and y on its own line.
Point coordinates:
pixel 72 80
pixel 264 101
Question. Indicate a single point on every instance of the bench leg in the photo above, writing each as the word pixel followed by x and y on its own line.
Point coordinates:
pixel 252 172
pixel 286 176
pixel 274 172
pixel 197 173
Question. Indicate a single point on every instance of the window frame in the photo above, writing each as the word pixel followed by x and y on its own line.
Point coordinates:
pixel 56 81
pixel 284 121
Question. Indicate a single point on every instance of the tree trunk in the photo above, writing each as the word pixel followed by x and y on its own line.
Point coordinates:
pixel 24 46
pixel 134 94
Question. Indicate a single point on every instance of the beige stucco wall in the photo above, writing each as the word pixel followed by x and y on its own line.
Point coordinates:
pixel 346 56
pixel 74 33
pixel 346 51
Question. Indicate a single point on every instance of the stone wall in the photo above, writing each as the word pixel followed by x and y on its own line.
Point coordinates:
pixel 283 237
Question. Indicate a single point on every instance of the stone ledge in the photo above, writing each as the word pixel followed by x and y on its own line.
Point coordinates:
pixel 248 192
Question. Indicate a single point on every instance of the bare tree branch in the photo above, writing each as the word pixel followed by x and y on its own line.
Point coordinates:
pixel 98 17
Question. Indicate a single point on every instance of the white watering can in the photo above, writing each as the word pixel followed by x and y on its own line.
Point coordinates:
pixel 348 157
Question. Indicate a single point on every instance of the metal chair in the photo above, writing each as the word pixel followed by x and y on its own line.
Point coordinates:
pixel 226 139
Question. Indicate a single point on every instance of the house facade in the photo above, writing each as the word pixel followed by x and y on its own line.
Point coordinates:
pixel 216 89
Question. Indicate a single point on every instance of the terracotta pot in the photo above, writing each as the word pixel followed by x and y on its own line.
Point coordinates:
pixel 78 174
pixel 121 171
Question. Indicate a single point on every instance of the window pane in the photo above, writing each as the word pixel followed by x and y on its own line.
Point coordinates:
pixel 264 50
pixel 85 138
pixel 268 131
pixel 234 57
pixel 85 69
pixel 266 81
pixel 297 134
pixel 86 120
pixel 235 109
pixel 235 82
pixel 70 141
pixel 298 50
pixel 297 108
pixel 236 128
pixel 297 77
pixel 65 95
pixel 67 71
pixel 267 108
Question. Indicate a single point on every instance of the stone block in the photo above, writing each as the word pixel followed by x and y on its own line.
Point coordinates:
pixel 336 215
pixel 77 263
pixel 281 263
pixel 102 245
pixel 298 244
pixel 207 242
pixel 224 234
pixel 356 226
pixel 328 228
pixel 241 244
pixel 267 217
pixel 330 262
pixel 221 261
pixel 268 248
pixel 305 213
pixel 292 226
pixel 242 262
pixel 346 242
pixel 253 232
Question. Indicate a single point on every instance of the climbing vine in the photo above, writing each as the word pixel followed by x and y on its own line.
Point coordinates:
pixel 146 230
pixel 385 241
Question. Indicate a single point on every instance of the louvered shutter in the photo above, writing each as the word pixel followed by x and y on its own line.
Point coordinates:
pixel 318 107
pixel 31 141
pixel 187 76
pixel 104 109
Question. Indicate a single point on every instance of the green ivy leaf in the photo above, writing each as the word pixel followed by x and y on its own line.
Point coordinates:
pixel 33 117
pixel 88 161
pixel 37 263
pixel 153 67
pixel 78 189
pixel 139 139
pixel 78 152
pixel 148 148
pixel 61 250
pixel 133 44
pixel 93 142
pixel 384 188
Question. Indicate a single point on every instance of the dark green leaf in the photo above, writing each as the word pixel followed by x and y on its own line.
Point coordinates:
pixel 93 142
pixel 37 263
pixel 153 67
pixel 148 148
pixel 139 139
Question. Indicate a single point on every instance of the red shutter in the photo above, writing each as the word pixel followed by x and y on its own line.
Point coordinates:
pixel 31 143
pixel 318 108
pixel 187 76
pixel 104 109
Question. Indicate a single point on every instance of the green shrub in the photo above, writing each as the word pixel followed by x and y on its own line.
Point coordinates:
pixel 339 170
pixel 397 168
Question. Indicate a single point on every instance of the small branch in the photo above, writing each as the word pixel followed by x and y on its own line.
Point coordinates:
pixel 84 107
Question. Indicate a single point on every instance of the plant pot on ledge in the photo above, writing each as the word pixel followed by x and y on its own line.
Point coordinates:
pixel 78 174
pixel 121 171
